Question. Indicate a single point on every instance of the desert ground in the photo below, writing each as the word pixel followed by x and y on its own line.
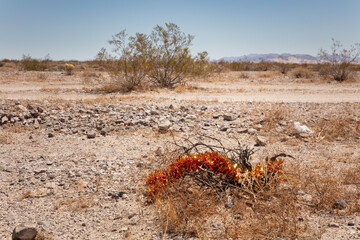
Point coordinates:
pixel 74 161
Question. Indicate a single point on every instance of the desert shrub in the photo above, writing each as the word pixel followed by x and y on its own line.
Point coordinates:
pixel 338 127
pixel 163 57
pixel 301 72
pixel 31 64
pixel 339 60
pixel 170 55
pixel 202 189
pixel 69 68
pixel 1 64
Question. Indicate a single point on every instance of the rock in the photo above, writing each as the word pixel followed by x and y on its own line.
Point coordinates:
pixel 257 127
pixel 216 116
pixel 203 108
pixel 21 108
pixel 223 128
pixel 24 231
pixel 351 223
pixel 118 194
pixel 340 204
pixel 39 170
pixel 36 124
pixel 4 119
pixel 164 126
pixel 40 110
pixel 44 223
pixel 282 123
pixel 91 134
pixel 229 117
pixel 261 141
pixel 242 130
pixel 301 129
pixel 334 225
pixel 251 131
pixel 50 135
pixel 191 117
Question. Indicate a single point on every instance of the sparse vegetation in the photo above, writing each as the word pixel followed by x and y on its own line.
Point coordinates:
pixel 337 62
pixel 69 68
pixel 163 58
pixel 301 72
pixel 32 64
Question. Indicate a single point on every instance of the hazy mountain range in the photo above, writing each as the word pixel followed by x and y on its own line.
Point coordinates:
pixel 273 57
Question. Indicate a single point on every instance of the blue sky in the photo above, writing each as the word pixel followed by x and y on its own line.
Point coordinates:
pixel 77 29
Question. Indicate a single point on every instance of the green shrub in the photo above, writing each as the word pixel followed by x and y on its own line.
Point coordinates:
pixel 32 64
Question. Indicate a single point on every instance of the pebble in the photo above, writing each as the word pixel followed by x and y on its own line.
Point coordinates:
pixel 334 225
pixel 24 231
pixel 91 135
pixel 351 223
pixel 261 141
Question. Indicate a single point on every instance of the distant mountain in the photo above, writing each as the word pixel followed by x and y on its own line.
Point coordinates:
pixel 274 57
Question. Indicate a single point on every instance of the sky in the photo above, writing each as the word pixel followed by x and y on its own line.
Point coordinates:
pixel 78 29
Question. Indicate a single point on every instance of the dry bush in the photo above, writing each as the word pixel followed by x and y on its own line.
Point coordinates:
pixel 41 77
pixel 191 210
pixel 1 64
pixel 69 68
pixel 244 75
pixel 276 114
pixel 338 127
pixel 31 64
pixel 301 72
pixel 326 186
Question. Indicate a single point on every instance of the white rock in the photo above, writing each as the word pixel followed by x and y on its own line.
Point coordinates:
pixel 302 129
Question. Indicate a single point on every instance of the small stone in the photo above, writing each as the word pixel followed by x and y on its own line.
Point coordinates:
pixel 216 116
pixel 351 223
pixel 191 117
pixel 40 110
pixel 39 170
pixel 223 128
pixel 44 223
pixel 50 135
pixel 340 203
pixel 242 130
pixel 258 127
pixel 164 127
pixel 251 131
pixel 91 134
pixel 333 224
pixel 4 119
pixel 21 108
pixel 229 117
pixel 261 141
pixel 118 194
pixel 24 231
pixel 282 123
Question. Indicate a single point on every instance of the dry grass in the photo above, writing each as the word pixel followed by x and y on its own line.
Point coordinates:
pixel 275 114
pixel 76 204
pixel 339 127
pixel 191 210
pixel 301 72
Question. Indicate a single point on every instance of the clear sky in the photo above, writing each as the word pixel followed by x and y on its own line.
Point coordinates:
pixel 77 29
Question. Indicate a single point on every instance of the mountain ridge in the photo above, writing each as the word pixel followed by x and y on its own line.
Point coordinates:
pixel 274 57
